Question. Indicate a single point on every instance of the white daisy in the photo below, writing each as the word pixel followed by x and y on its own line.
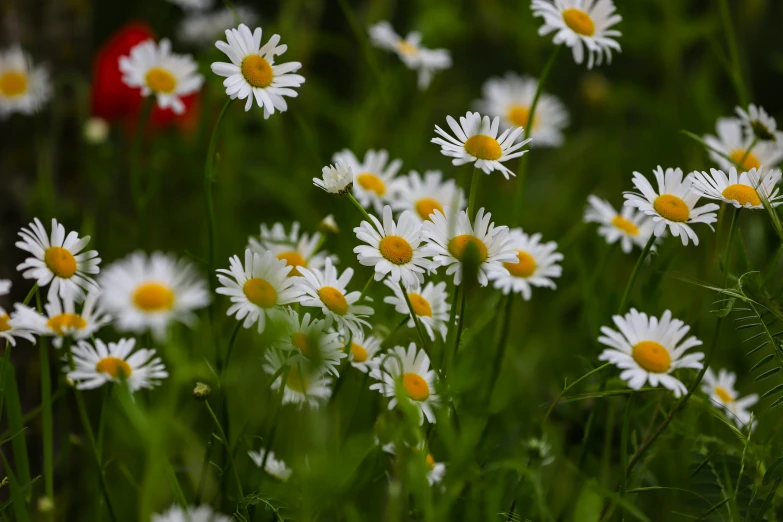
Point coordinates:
pixel 410 51
pixel 741 191
pixel 202 28
pixel 157 71
pixel 649 349
pixel 95 365
pixel 190 514
pixel 308 343
pixel 412 367
pixel 364 348
pixel 5 286
pixel 394 249
pixel 373 176
pixel 734 143
pixel 536 264
pixel 429 304
pixel 324 290
pixel 477 142
pixel 630 226
pixel 259 288
pixel 435 470
pixel 9 324
pixel 449 237
pixel 302 385
pixel 252 72
pixel 148 293
pixel 510 99
pixel 56 259
pixel 720 389
pixel 24 88
pixel 756 121
pixel 672 205
pixel 297 250
pixel 581 24
pixel 273 466
pixel 422 196
pixel 335 179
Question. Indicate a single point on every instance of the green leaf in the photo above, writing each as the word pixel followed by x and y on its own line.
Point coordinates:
pixel 589 504
pixel 17 498
pixel 774 472
pixel 768 373
pixel 15 423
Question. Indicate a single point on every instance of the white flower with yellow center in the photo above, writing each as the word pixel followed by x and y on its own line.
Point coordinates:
pixel 364 348
pixel 58 259
pixel 394 249
pixel 412 368
pixel 449 234
pixel 423 196
pixel 630 226
pixel 581 24
pixel 158 72
pixel 259 288
pixel 273 466
pixel 63 320
pixel 435 470
pixel 9 325
pixel 252 72
pixel 731 141
pixel 410 51
pixel 720 389
pixel 335 179
pixel 303 385
pixel 673 205
pixel 510 99
pixel 150 292
pixel 190 514
pixel 372 177
pixel 308 343
pixel 294 248
pixel 98 364
pixel 649 349
pixel 742 190
pixel 536 265
pixel 757 122
pixel 24 88
pixel 429 304
pixel 325 290
pixel 477 142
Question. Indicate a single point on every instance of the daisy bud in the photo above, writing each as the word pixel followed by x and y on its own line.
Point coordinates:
pixel 45 505
pixel 329 226
pixel 201 391
pixel 96 131
pixel 336 179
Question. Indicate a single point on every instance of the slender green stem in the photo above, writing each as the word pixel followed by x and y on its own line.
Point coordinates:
pixel 360 207
pixel 749 149
pixel 367 286
pixel 229 349
pixel 414 316
pixel 704 144
pixel 177 488
pixel 394 330
pixel 474 185
pixel 502 341
pixel 460 319
pixel 736 73
pixel 47 416
pixel 729 243
pixel 136 181
pixel 226 443
pixel 202 476
pixel 624 443
pixel 446 360
pixel 273 430
pixel 635 273
pixel 569 386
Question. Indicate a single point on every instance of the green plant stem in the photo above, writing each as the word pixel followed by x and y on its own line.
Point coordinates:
pixel 569 386
pixel 459 323
pixel 136 181
pixel 445 358
pixel 624 443
pixel 729 243
pixel 748 151
pixel 202 476
pixel 46 422
pixel 367 286
pixel 635 273
pixel 414 316
pixel 226 443
pixel 736 73
pixel 360 207
pixel 501 345
pixel 229 349
pixel 474 185
pixel 273 430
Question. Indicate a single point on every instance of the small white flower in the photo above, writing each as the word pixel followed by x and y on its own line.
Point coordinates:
pixel 422 196
pixel 294 248
pixel 273 466
pixel 5 286
pixel 477 142
pixel 536 264
pixel 720 389
pixel 202 28
pixel 630 226
pixel 95 365
pixel 96 131
pixel 364 349
pixel 24 88
pixel 372 177
pixel 435 470
pixel 673 205
pixel 335 179
pixel 62 319
pixel 9 324
pixel 757 122
pixel 649 349
pixel 329 226
pixel 302 384
pixel 429 304
pixel 308 343
pixel 741 191
pixel 731 141
pixel 190 514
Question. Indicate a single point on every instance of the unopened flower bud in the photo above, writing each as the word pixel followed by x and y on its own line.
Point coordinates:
pixel 201 391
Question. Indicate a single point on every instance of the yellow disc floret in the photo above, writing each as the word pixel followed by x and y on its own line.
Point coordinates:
pixel 652 356
pixel 415 386
pixel 13 83
pixel 525 267
pixel 742 194
pixel 672 208
pixel 625 225
pixel 724 395
pixel 421 306
pixel 153 297
pixel 518 115
pixel 63 323
pixel 160 80
pixel 302 342
pixel 296 381
pixel 483 147
pixel 748 160
pixel 396 250
pixel 260 292
pixel 257 71
pixel 333 299
pixel 115 367
pixel 458 244
pixel 4 326
pixel 579 21
pixel 60 261
pixel 293 259
pixel 371 182
pixel 427 206
pixel 359 353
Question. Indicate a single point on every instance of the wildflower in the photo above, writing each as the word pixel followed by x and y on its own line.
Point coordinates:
pixel 275 467
pixel 756 121
pixel 741 191
pixel 630 226
pixel 733 142
pixel 24 88
pixel 96 131
pixel 536 264
pixel 9 326
pixel 363 350
pixel 309 344
pixel 201 391
pixel 294 248
pixel 202 27
pixel 372 177
pixel 411 52
pixel 329 226
pixel 435 470
pixel 720 389
pixel 98 364
pixel 424 195
pixel 303 385
pixel 429 304
pixel 335 179
pixel 62 319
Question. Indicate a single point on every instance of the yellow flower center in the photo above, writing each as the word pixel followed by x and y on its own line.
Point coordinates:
pixel 160 80
pixel 293 259
pixel 420 305
pixel 518 115
pixel 153 297
pixel 396 250
pixel 302 342
pixel 257 71
pixel 427 206
pixel 672 208
pixel 4 326
pixel 371 182
pixel 415 386
pixel 359 353
pixel 406 48
pixel 114 366
pixel 750 161
pixel 483 147
pixel 724 395
pixel 742 194
pixel 333 299
pixel 625 225
pixel 579 21
pixel 13 83
pixel 430 460
pixel 458 245
pixel 60 261
pixel 651 356
pixel 296 381
pixel 65 322
pixel 259 292
pixel 525 267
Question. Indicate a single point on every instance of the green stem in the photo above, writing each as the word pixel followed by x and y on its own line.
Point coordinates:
pixel 273 430
pixel 360 207
pixel 445 358
pixel 202 476
pixel 229 349
pixel 736 73
pixel 747 152
pixel 729 243
pixel 228 448
pixel 569 386
pixel 635 273
pixel 414 316
pixel 394 330
pixel 46 422
pixel 136 181
pixel 367 286
pixel 624 444
pixel 502 341
pixel 474 185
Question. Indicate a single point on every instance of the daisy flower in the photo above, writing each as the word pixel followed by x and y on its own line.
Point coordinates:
pixel 295 249
pixel 157 71
pixel 335 179
pixel 190 514
pixel 510 99
pixel 741 191
pixel 673 205
pixel 630 226
pixel 5 286
pixel 429 304
pixel 394 249
pixel 435 470
pixel 649 349
pixel 477 142
pixel 24 88
pixel 410 51
pixel 731 141
pixel 581 24
pixel 310 344
pixel 422 196
pixel 62 319
pixel 259 288
pixel 148 293
pixel 364 348
pixel 536 264
pixel 96 365
pixel 372 176
pixel 56 259
pixel 252 72
pixel 302 384
pixel 9 325
pixel 720 389
pixel 756 121
pixel 325 290
pixel 418 380
pixel 202 28
pixel 273 466
pixel 449 237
